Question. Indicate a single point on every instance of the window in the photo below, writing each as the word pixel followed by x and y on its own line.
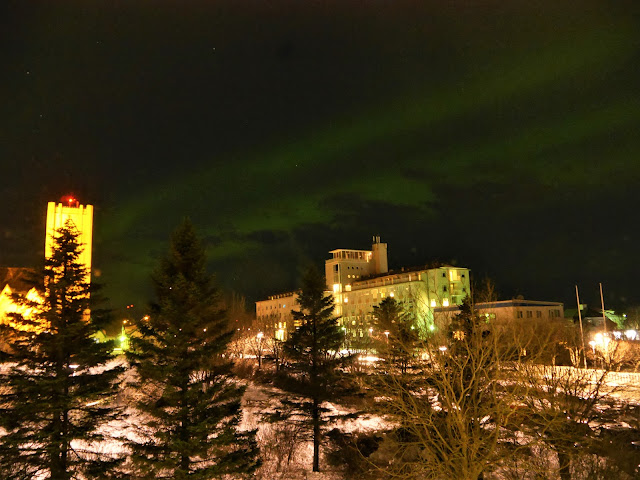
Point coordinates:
pixel 529 314
pixel 538 314
pixel 444 275
pixel 444 288
pixel 519 314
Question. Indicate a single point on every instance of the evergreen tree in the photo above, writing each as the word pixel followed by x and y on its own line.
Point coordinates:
pixel 396 333
pixel 189 394
pixel 56 393
pixel 313 349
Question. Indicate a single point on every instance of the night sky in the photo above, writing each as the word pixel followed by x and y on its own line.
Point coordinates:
pixel 502 136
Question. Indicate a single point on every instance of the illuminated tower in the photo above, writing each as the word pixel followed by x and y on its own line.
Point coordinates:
pixel 82 218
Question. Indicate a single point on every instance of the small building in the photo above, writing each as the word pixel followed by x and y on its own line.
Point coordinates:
pixel 274 314
pixel 13 281
pixel 505 311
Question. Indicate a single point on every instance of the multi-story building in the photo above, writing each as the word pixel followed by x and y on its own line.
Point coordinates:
pixel 274 314
pixel 11 279
pixel 514 310
pixel 81 216
pixel 360 280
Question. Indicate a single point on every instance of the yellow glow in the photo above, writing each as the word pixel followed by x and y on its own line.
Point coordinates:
pixel 433 303
pixel 8 306
pixel 391 294
pixel 445 302
pixel 81 216
pixel 336 287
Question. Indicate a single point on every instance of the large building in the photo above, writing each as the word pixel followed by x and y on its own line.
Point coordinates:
pixel 360 280
pixel 12 279
pixel 81 216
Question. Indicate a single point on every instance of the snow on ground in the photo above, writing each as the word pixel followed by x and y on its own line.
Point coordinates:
pixel 287 451
pixel 279 443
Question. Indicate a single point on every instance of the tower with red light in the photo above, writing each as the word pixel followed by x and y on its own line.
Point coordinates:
pixel 81 216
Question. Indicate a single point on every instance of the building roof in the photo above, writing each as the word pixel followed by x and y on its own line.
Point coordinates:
pixel 514 302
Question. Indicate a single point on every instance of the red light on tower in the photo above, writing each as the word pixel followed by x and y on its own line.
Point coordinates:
pixel 69 201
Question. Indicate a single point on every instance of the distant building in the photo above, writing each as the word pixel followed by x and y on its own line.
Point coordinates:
pixel 81 216
pixel 360 279
pixel 274 314
pixel 13 281
pixel 504 311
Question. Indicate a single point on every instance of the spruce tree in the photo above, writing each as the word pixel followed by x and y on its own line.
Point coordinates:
pixel 396 333
pixel 313 349
pixel 56 393
pixel 189 396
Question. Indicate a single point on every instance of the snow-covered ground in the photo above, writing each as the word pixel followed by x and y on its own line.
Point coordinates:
pixel 287 449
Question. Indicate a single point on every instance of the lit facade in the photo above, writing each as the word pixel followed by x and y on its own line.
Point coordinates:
pixel 420 291
pixel 13 281
pixel 274 314
pixel 81 216
pixel 360 280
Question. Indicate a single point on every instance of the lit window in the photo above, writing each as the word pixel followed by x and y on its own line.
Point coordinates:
pixel 433 303
pixel 445 302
